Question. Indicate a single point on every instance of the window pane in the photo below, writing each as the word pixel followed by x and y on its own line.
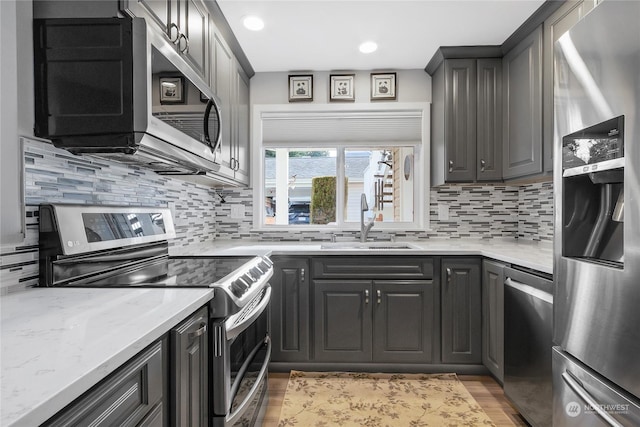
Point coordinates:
pixel 300 186
pixel 386 177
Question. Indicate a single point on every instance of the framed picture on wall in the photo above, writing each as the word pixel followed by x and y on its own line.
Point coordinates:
pixel 341 87
pixel 172 90
pixel 300 87
pixel 383 86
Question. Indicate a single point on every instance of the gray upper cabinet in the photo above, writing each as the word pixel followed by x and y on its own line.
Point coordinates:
pixel 241 143
pixel 223 88
pixel 522 92
pixel 493 317
pixel 231 85
pixel 290 310
pixel 189 372
pixel 555 26
pixel 194 19
pixel 461 311
pixel 489 120
pixel 460 119
pixel 184 22
pixel 467 120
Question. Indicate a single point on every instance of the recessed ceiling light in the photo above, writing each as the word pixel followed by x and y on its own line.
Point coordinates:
pixel 368 47
pixel 253 23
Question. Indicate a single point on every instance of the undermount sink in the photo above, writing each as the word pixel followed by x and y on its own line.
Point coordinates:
pixel 367 246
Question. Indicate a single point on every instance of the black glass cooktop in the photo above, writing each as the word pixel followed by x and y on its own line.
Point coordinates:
pixel 170 273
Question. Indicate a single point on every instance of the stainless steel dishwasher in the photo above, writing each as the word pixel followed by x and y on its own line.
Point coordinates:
pixel 528 327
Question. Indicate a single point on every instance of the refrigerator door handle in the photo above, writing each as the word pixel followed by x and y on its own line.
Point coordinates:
pixel 584 395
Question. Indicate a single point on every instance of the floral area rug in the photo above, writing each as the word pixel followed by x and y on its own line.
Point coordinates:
pixel 327 399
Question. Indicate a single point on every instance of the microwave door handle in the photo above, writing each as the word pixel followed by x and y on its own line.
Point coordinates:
pixel 207 114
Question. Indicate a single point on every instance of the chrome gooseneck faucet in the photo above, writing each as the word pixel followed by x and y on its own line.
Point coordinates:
pixel 364 228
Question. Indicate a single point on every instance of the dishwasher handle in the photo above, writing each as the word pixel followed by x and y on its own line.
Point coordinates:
pixel 529 290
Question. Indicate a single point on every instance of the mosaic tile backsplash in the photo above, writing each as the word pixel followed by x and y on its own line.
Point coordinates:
pixel 55 176
pixel 475 211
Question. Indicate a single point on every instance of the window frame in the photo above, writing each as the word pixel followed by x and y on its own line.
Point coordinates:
pixel 420 166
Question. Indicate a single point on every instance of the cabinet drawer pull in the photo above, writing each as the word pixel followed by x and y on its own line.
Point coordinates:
pixel 448 276
pixel 172 27
pixel 199 332
pixel 379 296
pixel 366 296
pixel 450 166
pixel 302 274
pixel 482 165
pixel 184 49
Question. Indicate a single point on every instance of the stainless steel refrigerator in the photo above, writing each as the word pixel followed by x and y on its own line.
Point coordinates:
pixel 596 358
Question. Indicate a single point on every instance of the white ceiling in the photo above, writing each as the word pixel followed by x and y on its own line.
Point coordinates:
pixel 321 35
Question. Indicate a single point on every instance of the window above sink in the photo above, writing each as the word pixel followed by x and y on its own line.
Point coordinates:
pixel 303 181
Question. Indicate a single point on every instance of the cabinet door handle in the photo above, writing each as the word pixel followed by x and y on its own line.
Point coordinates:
pixel 379 294
pixel 172 27
pixel 482 165
pixel 448 276
pixel 302 274
pixel 184 49
pixel 199 332
pixel 366 296
pixel 450 166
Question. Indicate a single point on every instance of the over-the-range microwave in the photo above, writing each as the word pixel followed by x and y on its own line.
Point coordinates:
pixel 114 88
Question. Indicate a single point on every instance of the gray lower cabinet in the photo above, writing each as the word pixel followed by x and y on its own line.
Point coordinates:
pixel 374 309
pixel 189 372
pixel 522 93
pixel 290 309
pixel 134 395
pixel 493 317
pixel 461 311
pixel 343 321
pixel 374 321
pixel 403 321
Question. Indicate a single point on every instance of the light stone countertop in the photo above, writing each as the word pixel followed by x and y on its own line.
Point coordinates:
pixel 533 255
pixel 59 342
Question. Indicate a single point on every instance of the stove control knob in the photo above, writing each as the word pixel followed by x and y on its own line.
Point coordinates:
pixel 264 266
pixel 238 287
pixel 255 272
pixel 248 278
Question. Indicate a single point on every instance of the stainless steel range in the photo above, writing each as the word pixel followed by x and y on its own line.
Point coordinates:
pixel 108 246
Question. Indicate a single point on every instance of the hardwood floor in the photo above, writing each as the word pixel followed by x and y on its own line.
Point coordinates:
pixel 484 389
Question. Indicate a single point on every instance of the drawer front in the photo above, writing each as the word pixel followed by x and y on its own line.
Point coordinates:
pixel 372 267
pixel 125 398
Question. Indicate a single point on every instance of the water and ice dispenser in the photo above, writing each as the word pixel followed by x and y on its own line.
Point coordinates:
pixel 593 193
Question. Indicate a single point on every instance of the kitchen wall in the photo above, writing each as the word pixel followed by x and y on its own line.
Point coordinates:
pixel 273 88
pixel 54 176
pixel 475 211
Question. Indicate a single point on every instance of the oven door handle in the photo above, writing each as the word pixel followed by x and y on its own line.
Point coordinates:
pixel 233 417
pixel 233 329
